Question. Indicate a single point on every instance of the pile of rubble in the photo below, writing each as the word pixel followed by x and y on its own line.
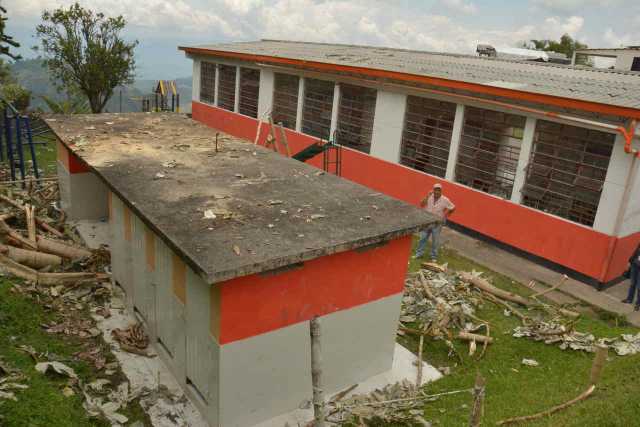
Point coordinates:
pixel 442 305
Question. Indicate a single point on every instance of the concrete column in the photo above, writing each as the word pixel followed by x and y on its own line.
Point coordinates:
pixel 334 110
pixel 613 189
pixel 388 123
pixel 215 95
pixel 300 105
pixel 265 96
pixel 236 106
pixel 523 159
pixel 195 85
pixel 456 134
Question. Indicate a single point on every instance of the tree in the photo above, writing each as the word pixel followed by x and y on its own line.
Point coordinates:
pixel 6 42
pixel 85 52
pixel 566 45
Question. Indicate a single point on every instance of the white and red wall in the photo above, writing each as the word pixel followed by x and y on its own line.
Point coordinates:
pixel 599 252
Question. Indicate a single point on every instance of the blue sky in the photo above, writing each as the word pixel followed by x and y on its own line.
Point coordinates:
pixel 436 25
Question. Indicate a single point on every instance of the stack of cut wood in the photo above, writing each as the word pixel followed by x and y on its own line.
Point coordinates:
pixel 33 247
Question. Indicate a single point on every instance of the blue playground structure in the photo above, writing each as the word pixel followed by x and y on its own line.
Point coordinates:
pixel 15 132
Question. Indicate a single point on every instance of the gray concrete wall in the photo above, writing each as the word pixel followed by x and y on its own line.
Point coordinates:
pixel 83 196
pixel 270 374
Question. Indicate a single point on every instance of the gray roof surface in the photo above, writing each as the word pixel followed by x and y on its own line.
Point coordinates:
pixel 617 88
pixel 277 211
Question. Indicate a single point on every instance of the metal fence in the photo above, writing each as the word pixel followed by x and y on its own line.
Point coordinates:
pixel 208 82
pixel 426 137
pixel 317 107
pixel 489 150
pixel 355 117
pixel 227 87
pixel 567 170
pixel 249 91
pixel 285 99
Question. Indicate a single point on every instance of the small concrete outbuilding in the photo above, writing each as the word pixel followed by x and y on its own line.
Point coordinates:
pixel 226 250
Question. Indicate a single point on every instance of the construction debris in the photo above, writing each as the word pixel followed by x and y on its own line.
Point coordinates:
pixel 10 382
pixel 560 332
pixel 133 339
pixel 443 307
pixel 401 403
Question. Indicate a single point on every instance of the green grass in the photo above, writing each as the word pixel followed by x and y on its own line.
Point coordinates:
pixel 513 389
pixel 42 404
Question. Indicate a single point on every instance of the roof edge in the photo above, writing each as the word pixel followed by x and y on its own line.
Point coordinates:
pixel 557 101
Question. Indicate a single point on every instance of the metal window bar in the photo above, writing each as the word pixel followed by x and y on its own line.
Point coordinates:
pixel 227 87
pixel 567 170
pixel 317 107
pixel 208 82
pixel 249 92
pixel 355 117
pixel 489 150
pixel 285 99
pixel 426 138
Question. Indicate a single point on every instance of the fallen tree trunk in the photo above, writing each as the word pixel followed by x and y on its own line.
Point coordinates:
pixel 61 249
pixel 45 226
pixel 468 336
pixel 30 258
pixel 27 273
pixel 15 237
pixel 484 285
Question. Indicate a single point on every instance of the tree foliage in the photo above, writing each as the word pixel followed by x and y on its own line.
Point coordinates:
pixel 6 42
pixel 566 45
pixel 84 51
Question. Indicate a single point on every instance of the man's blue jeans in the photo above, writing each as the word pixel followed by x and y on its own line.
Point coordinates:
pixel 634 278
pixel 434 232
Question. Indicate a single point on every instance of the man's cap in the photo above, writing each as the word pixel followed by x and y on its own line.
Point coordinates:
pixel 437 186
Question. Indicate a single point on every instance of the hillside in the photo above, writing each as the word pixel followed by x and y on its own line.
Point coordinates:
pixel 31 74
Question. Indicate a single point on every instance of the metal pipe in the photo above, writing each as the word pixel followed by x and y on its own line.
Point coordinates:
pixel 7 129
pixel 19 146
pixel 32 148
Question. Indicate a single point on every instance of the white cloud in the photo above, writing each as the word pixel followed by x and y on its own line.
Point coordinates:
pixel 612 39
pixel 164 15
pixel 460 6
pixel 573 6
pixel 556 27
pixel 243 7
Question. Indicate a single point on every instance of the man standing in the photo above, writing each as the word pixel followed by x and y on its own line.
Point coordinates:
pixel 634 278
pixel 440 206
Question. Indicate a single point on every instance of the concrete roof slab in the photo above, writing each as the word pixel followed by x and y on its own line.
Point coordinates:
pixel 273 210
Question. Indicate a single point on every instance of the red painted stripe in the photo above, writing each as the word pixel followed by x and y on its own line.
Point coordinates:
pixel 254 305
pixel 448 83
pixel 576 247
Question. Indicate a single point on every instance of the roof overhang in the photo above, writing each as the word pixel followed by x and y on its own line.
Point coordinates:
pixel 521 95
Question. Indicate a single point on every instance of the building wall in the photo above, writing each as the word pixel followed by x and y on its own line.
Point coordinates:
pixel 78 186
pixel 241 348
pixel 624 59
pixel 577 247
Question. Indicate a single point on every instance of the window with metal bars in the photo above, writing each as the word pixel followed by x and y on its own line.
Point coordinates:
pixel 567 170
pixel 249 90
pixel 489 150
pixel 227 87
pixel 208 82
pixel 317 107
pixel 426 138
pixel 356 110
pixel 285 99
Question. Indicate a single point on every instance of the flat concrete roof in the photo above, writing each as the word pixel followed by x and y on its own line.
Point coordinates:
pixel 277 211
pixel 608 87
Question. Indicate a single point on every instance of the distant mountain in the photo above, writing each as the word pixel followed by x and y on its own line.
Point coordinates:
pixel 32 74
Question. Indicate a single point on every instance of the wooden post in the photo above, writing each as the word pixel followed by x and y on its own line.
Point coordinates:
pixel 598 363
pixel 316 374
pixel 478 402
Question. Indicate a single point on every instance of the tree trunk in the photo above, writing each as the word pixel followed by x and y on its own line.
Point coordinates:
pixel 316 374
